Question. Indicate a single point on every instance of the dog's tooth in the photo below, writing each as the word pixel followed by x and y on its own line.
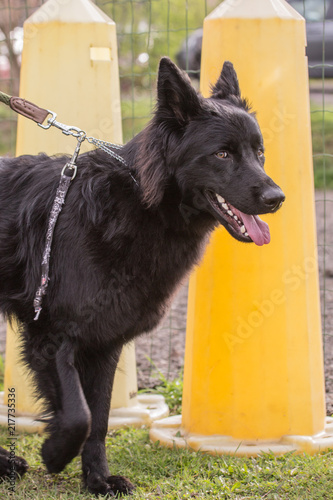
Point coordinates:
pixel 243 230
pixel 230 213
pixel 220 199
pixel 235 217
pixel 225 206
pixel 246 234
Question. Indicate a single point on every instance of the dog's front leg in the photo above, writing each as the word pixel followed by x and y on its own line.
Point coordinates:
pixel 69 427
pixel 97 376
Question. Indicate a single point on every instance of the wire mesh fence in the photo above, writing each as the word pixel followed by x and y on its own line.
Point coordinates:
pixel 146 30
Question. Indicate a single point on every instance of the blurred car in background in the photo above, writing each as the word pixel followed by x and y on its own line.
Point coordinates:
pixel 319 33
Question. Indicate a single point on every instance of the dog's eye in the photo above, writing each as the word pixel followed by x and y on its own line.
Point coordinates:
pixel 221 155
pixel 260 153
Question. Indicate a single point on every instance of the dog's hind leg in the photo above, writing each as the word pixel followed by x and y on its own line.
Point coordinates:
pixel 97 379
pixel 69 427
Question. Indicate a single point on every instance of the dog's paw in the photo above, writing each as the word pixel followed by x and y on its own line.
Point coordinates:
pixel 20 466
pixel 113 486
pixel 9 467
pixel 57 453
pixel 52 456
pixel 120 485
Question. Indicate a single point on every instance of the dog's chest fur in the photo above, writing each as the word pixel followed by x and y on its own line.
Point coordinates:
pixel 133 278
pixel 113 263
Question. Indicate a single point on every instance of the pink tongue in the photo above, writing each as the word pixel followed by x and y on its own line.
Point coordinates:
pixel 257 229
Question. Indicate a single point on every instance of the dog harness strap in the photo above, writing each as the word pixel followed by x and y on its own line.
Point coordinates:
pixel 58 202
pixel 67 175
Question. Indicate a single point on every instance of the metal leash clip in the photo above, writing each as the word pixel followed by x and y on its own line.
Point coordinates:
pixel 66 129
pixel 49 120
pixel 72 163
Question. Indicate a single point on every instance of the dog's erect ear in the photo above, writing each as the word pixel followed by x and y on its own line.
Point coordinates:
pixel 227 85
pixel 176 96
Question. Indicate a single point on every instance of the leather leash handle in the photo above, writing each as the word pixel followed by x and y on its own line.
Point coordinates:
pixel 28 109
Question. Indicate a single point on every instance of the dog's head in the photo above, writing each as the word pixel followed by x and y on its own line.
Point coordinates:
pixel 214 150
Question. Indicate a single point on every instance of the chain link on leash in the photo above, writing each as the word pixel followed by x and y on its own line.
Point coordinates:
pixel 77 132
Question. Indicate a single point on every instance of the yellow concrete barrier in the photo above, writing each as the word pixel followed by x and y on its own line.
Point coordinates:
pixel 70 66
pixel 253 375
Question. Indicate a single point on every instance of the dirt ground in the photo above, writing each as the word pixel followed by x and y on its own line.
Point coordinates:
pixel 163 350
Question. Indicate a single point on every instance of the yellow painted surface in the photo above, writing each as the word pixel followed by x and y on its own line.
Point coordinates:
pixel 71 69
pixel 17 377
pixel 70 66
pixel 124 394
pixel 253 363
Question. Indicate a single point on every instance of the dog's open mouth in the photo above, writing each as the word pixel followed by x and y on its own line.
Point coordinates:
pixel 241 226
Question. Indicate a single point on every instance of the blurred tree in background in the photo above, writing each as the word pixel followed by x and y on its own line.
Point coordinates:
pixel 12 15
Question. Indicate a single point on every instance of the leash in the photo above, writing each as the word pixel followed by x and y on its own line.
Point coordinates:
pixel 67 175
pixel 39 115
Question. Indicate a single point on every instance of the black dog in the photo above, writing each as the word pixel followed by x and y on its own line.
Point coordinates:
pixel 125 239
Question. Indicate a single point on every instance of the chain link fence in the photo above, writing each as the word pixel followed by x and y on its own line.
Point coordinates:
pixel 146 30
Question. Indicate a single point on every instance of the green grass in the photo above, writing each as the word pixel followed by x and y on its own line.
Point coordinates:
pixel 322 145
pixel 7 130
pixel 161 473
pixel 178 474
pixel 172 390
pixel 135 114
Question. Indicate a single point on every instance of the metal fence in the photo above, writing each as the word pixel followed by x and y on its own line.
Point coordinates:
pixel 147 29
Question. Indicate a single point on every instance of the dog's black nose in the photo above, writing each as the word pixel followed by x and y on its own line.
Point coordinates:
pixel 272 198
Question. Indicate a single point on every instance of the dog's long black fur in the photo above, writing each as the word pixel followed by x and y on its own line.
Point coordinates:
pixel 121 247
